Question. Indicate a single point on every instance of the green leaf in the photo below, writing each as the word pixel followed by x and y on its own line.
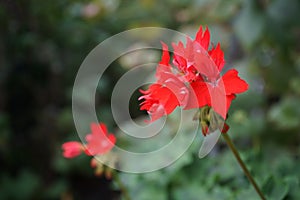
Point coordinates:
pixel 144 187
pixel 178 141
pixel 293 183
pixel 192 191
pixel 275 189
pixel 24 186
pixel 286 113
pixel 249 25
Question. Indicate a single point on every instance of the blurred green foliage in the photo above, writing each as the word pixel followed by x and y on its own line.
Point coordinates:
pixel 42 44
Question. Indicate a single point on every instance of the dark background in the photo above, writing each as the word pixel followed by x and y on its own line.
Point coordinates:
pixel 43 43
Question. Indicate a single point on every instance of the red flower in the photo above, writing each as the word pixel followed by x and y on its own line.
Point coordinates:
pixel 207 85
pixel 211 88
pixel 158 101
pixel 162 98
pixel 167 93
pixel 184 60
pixel 217 93
pixel 72 149
pixel 165 56
pixel 203 38
pixel 99 141
pixel 184 56
pixel 194 82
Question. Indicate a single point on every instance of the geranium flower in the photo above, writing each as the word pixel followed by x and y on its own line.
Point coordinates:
pixel 167 93
pixel 210 87
pixel 184 56
pixel 201 68
pixel 98 142
pixel 72 149
pixel 194 82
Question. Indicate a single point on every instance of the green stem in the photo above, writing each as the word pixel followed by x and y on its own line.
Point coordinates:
pixel 121 186
pixel 242 164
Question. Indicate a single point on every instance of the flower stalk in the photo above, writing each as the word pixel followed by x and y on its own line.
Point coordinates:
pixel 242 164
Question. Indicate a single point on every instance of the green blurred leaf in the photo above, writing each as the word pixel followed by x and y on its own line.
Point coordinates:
pixel 249 25
pixel 275 189
pixel 192 192
pixel 286 113
pixel 284 12
pixel 24 186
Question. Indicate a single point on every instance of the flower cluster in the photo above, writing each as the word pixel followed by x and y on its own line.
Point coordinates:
pixel 193 81
pixel 99 143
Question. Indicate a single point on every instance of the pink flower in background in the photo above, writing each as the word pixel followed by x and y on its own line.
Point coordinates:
pixel 72 149
pixel 98 142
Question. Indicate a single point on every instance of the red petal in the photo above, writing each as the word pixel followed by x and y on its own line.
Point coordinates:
pixel 171 103
pixel 156 111
pixel 166 98
pixel 233 83
pixel 179 58
pixel 198 95
pixel 205 65
pixel 165 56
pixel 99 142
pixel 162 100
pixel 203 39
pixel 112 138
pixel 103 128
pixel 217 56
pixel 218 100
pixel 95 127
pixel 72 149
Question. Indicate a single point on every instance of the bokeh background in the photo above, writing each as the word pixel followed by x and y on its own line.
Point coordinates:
pixel 43 43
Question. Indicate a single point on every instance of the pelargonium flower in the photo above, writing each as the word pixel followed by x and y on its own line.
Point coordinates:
pixel 98 142
pixel 167 93
pixel 196 79
pixel 72 149
pixel 201 68
pixel 210 87
pixel 184 56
